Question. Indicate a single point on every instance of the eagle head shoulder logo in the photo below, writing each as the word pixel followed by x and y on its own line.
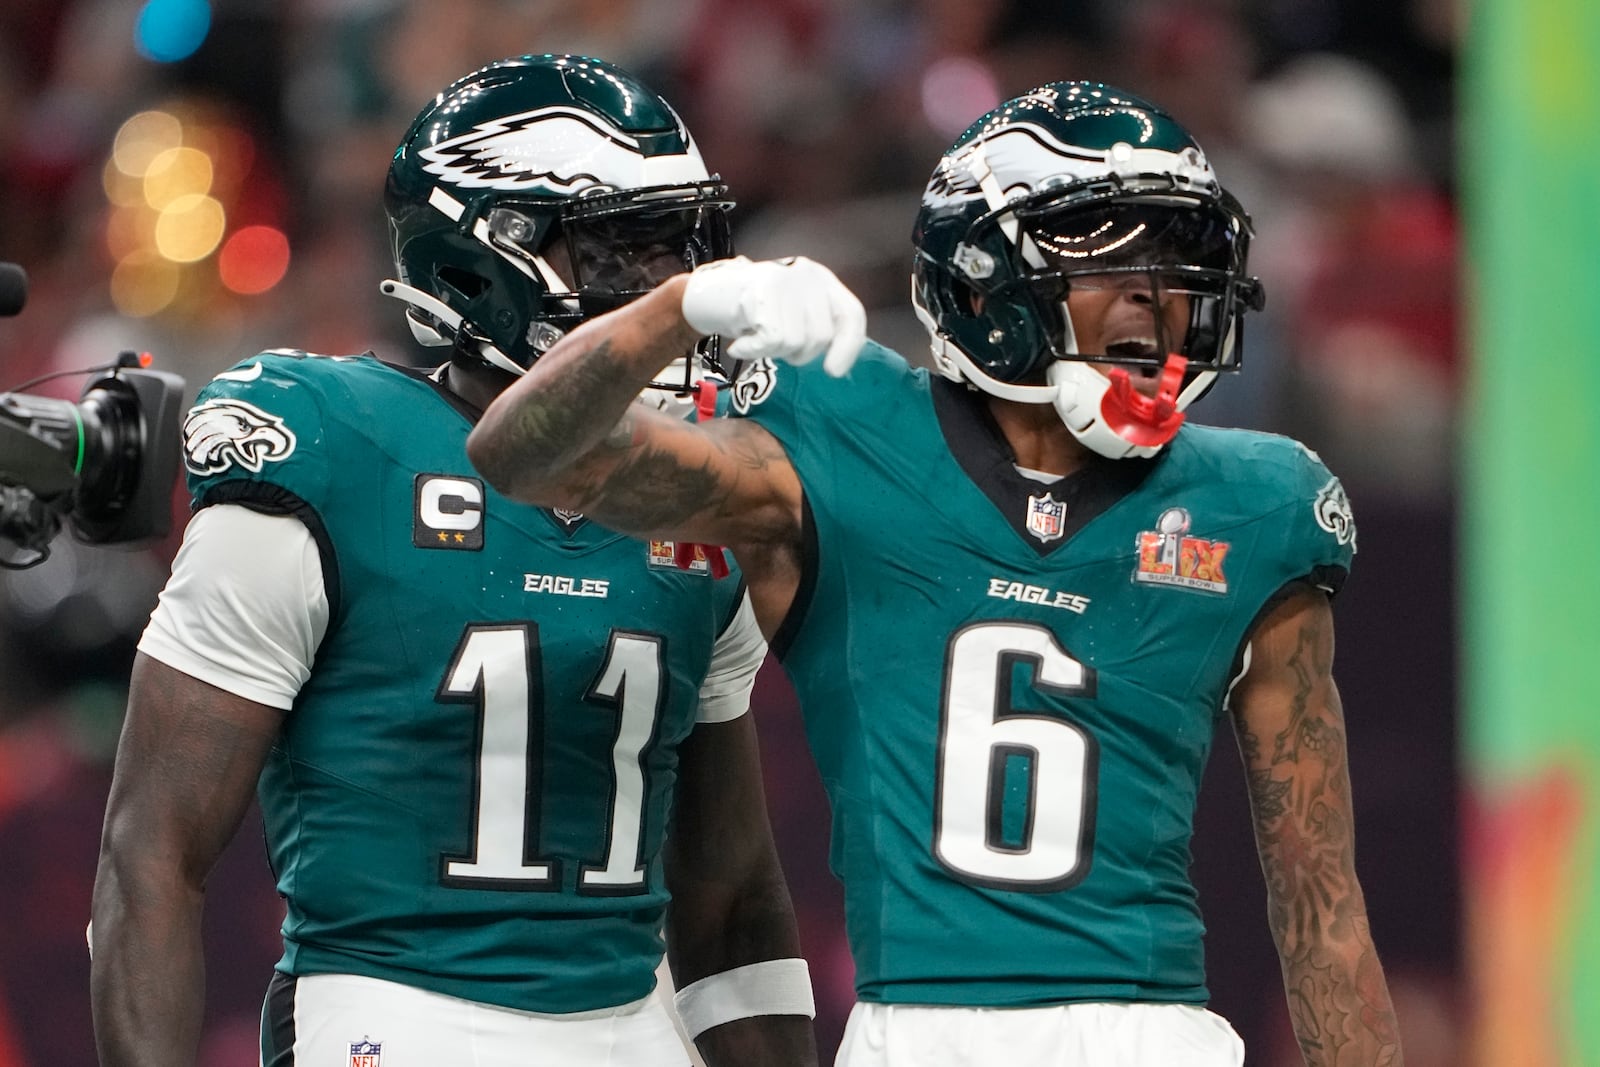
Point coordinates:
pixel 225 432
pixel 1333 513
pixel 754 384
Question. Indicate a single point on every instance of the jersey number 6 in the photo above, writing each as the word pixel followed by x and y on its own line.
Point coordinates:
pixel 1014 797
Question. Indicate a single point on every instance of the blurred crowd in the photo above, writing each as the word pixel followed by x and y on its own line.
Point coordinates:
pixel 1332 120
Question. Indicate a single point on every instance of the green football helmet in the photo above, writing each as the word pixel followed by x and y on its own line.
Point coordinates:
pixel 540 191
pixel 1077 185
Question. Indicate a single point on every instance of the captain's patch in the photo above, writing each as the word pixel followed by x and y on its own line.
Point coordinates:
pixel 447 512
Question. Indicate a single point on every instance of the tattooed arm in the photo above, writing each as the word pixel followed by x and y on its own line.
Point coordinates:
pixel 567 435
pixel 1291 732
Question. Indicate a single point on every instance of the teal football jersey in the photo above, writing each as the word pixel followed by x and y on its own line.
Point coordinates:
pixel 1011 687
pixel 471 792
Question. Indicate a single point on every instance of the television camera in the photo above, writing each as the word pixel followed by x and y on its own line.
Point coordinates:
pixel 103 465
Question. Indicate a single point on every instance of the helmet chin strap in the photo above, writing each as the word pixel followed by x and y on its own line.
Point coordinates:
pixel 1114 419
pixel 1107 414
pixel 969 371
pixel 679 404
pixel 449 319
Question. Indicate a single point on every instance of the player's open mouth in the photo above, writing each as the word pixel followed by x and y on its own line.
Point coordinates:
pixel 1136 348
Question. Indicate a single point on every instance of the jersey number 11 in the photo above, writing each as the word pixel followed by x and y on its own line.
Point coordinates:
pixel 498 668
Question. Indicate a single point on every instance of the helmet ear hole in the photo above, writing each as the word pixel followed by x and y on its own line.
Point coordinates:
pixel 469 285
pixel 1201 343
pixel 968 300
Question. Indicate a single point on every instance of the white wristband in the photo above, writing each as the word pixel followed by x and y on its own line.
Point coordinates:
pixel 771 987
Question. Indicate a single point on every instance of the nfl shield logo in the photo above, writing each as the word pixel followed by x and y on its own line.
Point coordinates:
pixel 1047 517
pixel 365 1053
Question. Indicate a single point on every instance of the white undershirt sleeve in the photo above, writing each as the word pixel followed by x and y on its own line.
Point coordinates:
pixel 245 608
pixel 739 652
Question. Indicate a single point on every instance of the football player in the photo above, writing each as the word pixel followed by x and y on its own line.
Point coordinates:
pixel 1015 594
pixel 472 720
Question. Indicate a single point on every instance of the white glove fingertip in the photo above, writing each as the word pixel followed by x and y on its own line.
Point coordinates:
pixel 751 348
pixel 849 332
pixel 842 352
pixel 817 328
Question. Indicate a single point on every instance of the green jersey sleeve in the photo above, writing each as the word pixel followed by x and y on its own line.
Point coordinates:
pixel 257 433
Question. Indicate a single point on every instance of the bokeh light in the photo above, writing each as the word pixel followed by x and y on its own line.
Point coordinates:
pixel 143 137
pixel 170 30
pixel 121 190
pixel 130 231
pixel 190 228
pixel 254 260
pixel 186 185
pixel 175 173
pixel 143 284
pixel 954 90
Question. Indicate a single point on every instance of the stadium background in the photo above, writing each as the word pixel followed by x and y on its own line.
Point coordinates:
pixel 201 180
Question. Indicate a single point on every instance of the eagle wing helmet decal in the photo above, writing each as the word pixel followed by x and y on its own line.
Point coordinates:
pixel 1025 148
pixel 516 152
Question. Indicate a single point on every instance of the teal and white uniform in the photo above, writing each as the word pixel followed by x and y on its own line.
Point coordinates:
pixel 476 769
pixel 1011 686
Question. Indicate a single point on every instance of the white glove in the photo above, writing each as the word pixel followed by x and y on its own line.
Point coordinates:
pixel 793 309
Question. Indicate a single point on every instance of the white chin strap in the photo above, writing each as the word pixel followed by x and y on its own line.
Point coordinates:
pixel 430 336
pixel 667 400
pixel 1080 392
